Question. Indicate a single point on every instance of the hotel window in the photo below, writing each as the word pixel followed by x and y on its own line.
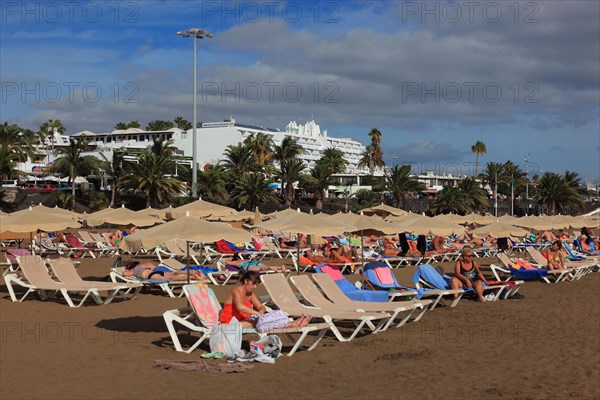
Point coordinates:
pixel 184 135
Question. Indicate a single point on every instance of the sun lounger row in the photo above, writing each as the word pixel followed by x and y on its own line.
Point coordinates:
pixel 34 276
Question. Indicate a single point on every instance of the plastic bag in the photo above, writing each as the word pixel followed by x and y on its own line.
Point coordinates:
pixel 269 345
pixel 226 338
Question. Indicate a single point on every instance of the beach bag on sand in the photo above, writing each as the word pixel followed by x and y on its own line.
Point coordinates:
pixel 272 320
pixel 226 338
pixel 269 345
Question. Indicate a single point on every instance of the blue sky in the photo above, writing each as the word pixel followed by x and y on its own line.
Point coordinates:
pixel 433 76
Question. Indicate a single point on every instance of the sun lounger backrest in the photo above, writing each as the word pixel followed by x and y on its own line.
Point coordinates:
pixel 330 288
pixel 64 270
pixel 35 271
pixel 504 259
pixel 282 294
pixel 173 263
pixel 73 241
pixel 537 256
pixel 309 291
pixel 86 237
pixel 173 247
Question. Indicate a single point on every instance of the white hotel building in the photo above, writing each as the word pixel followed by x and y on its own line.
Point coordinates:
pixel 213 138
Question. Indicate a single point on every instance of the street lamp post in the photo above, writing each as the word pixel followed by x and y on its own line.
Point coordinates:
pixel 512 195
pixel 197 34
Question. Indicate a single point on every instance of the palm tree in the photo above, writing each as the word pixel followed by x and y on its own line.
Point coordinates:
pixel 515 176
pixel 127 125
pixel 73 163
pixel 451 200
pixel 365 159
pixel 159 125
pixel 400 183
pixel 183 123
pixel 240 160
pixel 290 167
pixel 152 174
pixel 49 128
pixel 333 159
pixel 491 174
pixel 290 172
pixel 211 183
pixel 114 168
pixel 475 196
pixel 17 145
pixel 376 154
pixel 262 147
pixel 553 191
pixel 289 148
pixel 317 181
pixel 573 180
pixel 478 148
pixel 251 189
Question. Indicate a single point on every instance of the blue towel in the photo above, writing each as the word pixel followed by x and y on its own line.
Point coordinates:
pixel 356 294
pixel 204 270
pixel 528 273
pixel 431 276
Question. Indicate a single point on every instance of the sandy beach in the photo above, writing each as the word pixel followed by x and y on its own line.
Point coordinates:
pixel 543 346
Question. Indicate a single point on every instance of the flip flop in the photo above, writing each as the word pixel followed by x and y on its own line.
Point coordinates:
pixel 216 354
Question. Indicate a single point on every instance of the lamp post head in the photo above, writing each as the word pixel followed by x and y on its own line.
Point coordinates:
pixel 196 32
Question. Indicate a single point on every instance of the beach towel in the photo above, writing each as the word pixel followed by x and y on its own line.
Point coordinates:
pixel 349 289
pixel 384 275
pixel 525 273
pixel 431 276
pixel 205 304
pixel 223 247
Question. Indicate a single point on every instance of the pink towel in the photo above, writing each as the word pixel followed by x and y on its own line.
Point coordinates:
pixel 334 273
pixel 384 275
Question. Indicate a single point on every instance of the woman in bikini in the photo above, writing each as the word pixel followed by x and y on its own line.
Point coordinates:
pixel 242 303
pixel 147 270
pixel 467 274
pixel 555 256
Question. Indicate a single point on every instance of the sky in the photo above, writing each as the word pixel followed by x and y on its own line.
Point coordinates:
pixel 434 77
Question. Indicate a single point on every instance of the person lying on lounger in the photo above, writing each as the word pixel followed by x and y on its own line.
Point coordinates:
pixel 148 270
pixel 242 303
pixel 237 261
pixel 467 274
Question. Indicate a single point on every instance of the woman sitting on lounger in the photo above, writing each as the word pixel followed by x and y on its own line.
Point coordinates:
pixel 148 270
pixel 555 256
pixel 242 303
pixel 467 274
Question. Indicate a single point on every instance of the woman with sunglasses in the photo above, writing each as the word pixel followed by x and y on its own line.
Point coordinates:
pixel 467 274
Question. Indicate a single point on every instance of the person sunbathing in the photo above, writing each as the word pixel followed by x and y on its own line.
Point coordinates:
pixel 588 246
pixel 547 237
pixel 335 255
pixel 148 270
pixel 555 256
pixel 242 303
pixel 246 265
pixel 468 275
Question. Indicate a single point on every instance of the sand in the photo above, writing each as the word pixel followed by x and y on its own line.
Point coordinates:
pixel 543 346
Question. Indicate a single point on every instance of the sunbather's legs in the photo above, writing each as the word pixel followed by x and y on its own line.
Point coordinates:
pixel 455 284
pixel 478 286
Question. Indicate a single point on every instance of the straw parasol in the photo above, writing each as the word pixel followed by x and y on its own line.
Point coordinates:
pixel 121 216
pixel 188 228
pixel 431 226
pixel 42 209
pixel 30 220
pixel 383 210
pixel 284 213
pixel 499 230
pixel 202 209
pixel 164 213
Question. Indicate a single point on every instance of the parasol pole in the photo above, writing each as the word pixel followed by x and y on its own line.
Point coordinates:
pixel 187 260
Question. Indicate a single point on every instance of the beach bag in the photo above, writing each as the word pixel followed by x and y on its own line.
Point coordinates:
pixel 272 320
pixel 226 338
pixel 269 345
